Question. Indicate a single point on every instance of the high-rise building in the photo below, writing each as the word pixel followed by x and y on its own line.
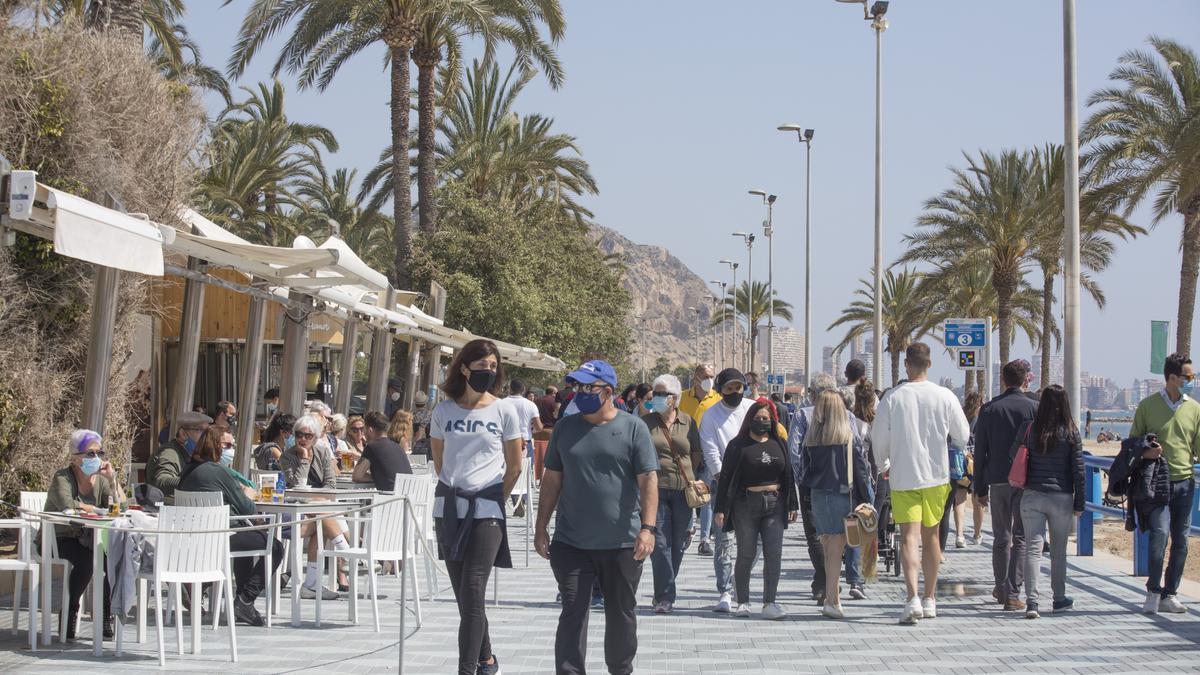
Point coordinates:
pixel 789 350
pixel 831 362
pixel 1056 370
pixel 864 351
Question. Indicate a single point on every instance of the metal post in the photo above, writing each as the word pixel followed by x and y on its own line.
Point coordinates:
pixel 724 327
pixel 770 287
pixel 1071 211
pixel 414 373
pixel 433 360
pixel 879 24
pixel 988 351
pixel 295 357
pixel 405 514
pixel 750 304
pixel 100 343
pixel 733 344
pixel 248 391
pixel 808 260
pixel 381 359
pixel 189 347
pixel 345 387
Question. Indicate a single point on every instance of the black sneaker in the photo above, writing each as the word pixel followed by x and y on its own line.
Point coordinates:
pixel 109 628
pixel 492 668
pixel 245 613
pixel 705 548
pixel 1064 605
pixel 1031 611
pixel 858 592
pixel 819 598
pixel 70 627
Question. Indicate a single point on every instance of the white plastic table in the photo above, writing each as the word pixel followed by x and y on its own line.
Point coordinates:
pixel 296 511
pixel 48 521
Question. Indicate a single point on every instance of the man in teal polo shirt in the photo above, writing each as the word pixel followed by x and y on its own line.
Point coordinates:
pixel 1174 416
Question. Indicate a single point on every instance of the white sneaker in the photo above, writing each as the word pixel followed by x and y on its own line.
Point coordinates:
pixel 311 593
pixel 724 605
pixel 929 608
pixel 1150 606
pixel 977 539
pixel 832 612
pixel 1173 605
pixel 743 611
pixel 960 542
pixel 911 613
pixel 773 612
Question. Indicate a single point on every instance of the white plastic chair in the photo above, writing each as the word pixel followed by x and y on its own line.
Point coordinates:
pixel 420 492
pixel 21 565
pixel 382 540
pixel 185 556
pixel 36 501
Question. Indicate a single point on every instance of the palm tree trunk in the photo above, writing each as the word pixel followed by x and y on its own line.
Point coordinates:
pixel 1189 270
pixel 400 36
pixel 1004 295
pixel 118 16
pixel 1047 321
pixel 968 382
pixel 426 58
pixel 895 354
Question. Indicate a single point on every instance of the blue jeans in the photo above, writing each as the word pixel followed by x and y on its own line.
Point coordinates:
pixel 673 519
pixel 1174 517
pixel 854 575
pixel 706 512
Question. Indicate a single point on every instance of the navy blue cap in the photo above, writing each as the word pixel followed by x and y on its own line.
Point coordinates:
pixel 595 371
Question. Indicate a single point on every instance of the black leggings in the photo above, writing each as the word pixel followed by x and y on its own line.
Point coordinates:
pixel 80 557
pixel 250 574
pixel 469 578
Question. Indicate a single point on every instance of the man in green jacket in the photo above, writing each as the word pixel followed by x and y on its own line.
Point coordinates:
pixel 167 463
pixel 1174 417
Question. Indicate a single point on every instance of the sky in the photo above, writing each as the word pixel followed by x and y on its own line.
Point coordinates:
pixel 675 105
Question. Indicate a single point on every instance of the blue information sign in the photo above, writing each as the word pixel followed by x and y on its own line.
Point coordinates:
pixel 966 333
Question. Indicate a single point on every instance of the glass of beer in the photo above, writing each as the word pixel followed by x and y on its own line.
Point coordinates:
pixel 266 492
pixel 114 509
pixel 347 462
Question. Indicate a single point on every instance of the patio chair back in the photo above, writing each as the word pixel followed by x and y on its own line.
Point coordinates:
pixel 185 498
pixel 183 555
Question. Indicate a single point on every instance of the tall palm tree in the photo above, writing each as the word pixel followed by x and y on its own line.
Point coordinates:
pixel 1144 139
pixel 511 21
pixel 907 314
pixel 180 62
pixel 750 301
pixel 990 216
pixel 328 205
pixel 131 17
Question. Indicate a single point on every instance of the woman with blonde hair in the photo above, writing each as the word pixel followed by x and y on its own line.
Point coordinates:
pixel 825 462
pixel 400 429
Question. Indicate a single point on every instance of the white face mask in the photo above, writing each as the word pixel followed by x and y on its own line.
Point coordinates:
pixel 706 384
pixel 395 396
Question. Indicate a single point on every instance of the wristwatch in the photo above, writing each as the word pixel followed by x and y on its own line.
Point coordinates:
pixel 652 529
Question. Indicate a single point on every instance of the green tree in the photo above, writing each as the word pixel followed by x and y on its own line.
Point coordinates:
pixel 1144 140
pixel 328 204
pixel 907 314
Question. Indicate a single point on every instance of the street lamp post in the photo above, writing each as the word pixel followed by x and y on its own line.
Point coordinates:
pixel 696 351
pixel 1070 211
pixel 641 321
pixel 733 343
pixel 769 231
pixel 805 136
pixel 874 14
pixel 724 320
pixel 713 340
pixel 748 237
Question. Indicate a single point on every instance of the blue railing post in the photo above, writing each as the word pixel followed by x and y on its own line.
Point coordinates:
pixel 1087 525
pixel 1141 553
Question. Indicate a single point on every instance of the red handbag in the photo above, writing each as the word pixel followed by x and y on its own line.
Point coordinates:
pixel 1020 466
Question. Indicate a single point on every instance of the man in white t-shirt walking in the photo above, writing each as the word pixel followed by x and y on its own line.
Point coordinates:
pixel 911 427
pixel 531 423
pixel 720 424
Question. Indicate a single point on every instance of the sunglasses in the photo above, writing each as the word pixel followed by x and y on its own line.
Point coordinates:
pixel 304 434
pixel 357 430
pixel 95 453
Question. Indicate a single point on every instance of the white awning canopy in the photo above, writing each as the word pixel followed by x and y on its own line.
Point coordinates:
pixel 351 270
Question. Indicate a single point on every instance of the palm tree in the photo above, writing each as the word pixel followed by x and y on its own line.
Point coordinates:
pixel 1144 139
pixel 515 22
pixel 907 314
pixel 130 17
pixel 180 62
pixel 328 206
pixel 750 301
pixel 989 216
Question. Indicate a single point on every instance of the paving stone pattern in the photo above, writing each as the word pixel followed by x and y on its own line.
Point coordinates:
pixel 1104 634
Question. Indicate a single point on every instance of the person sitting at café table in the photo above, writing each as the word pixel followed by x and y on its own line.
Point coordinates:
pixel 276 439
pixel 383 457
pixel 346 453
pixel 165 466
pixel 88 485
pixel 208 472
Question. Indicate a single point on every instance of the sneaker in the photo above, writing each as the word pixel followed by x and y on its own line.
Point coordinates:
pixel 519 512
pixel 773 612
pixel 977 539
pixel 911 613
pixel 662 607
pixel 724 605
pixel 687 542
pixel 960 542
pixel 743 611
pixel 109 627
pixel 858 592
pixel 1064 605
pixel 819 597
pixel 1013 605
pixel 1173 605
pixel 1031 611
pixel 245 613
pixel 928 608
pixel 1150 606
pixel 311 593
pixel 597 602
pixel 705 548
pixel 492 668
pixel 832 612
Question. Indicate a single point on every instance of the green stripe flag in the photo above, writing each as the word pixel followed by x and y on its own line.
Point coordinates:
pixel 1158 345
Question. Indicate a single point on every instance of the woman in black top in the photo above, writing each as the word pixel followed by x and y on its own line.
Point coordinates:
pixel 756 490
pixel 1053 494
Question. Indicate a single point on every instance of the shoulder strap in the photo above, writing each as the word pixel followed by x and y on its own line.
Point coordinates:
pixel 850 468
pixel 674 453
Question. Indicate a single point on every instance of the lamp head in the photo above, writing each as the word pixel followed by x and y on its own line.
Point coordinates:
pixel 759 193
pixel 771 199
pixel 879 8
pixel 808 134
pixel 741 234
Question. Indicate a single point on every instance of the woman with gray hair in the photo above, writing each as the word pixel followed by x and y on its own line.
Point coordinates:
pixel 677 442
pixel 311 463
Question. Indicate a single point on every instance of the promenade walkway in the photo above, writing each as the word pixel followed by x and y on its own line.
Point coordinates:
pixel 1104 634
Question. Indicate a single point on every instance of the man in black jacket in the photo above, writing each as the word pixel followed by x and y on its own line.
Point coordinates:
pixel 995 434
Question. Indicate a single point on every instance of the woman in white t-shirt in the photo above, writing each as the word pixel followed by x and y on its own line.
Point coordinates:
pixel 476 444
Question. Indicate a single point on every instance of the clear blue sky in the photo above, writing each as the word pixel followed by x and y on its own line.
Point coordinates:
pixel 675 106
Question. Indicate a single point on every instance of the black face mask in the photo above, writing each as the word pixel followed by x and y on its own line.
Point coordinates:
pixel 732 400
pixel 760 427
pixel 481 380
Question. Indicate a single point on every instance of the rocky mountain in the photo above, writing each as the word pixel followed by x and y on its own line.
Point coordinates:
pixel 662 289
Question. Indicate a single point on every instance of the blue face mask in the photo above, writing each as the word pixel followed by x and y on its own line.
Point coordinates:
pixel 227 456
pixel 189 445
pixel 289 442
pixel 1187 387
pixel 587 402
pixel 90 465
pixel 657 404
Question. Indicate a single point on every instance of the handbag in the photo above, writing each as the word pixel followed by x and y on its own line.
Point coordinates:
pixel 1020 466
pixel 862 521
pixel 696 492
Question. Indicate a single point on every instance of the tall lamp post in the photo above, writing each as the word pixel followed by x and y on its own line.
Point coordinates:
pixel 715 303
pixel 874 14
pixel 696 351
pixel 641 323
pixel 805 136
pixel 748 237
pixel 720 301
pixel 733 343
pixel 769 231
pixel 1070 211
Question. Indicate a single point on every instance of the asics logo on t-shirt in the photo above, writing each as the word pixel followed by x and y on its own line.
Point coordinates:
pixel 472 426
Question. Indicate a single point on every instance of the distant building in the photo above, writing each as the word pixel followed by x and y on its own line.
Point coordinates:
pixel 831 362
pixel 789 350
pixel 1056 370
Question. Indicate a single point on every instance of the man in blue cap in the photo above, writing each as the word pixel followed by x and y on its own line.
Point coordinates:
pixel 601 474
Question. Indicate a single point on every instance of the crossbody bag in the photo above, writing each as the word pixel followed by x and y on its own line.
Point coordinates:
pixel 862 521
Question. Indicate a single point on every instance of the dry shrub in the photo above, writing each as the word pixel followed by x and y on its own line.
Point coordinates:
pixel 92 116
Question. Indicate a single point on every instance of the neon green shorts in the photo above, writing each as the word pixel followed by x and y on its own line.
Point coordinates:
pixel 924 506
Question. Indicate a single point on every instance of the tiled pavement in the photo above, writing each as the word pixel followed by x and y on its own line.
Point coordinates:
pixel 1104 634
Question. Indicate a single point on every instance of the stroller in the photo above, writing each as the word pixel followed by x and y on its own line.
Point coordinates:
pixel 889 549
